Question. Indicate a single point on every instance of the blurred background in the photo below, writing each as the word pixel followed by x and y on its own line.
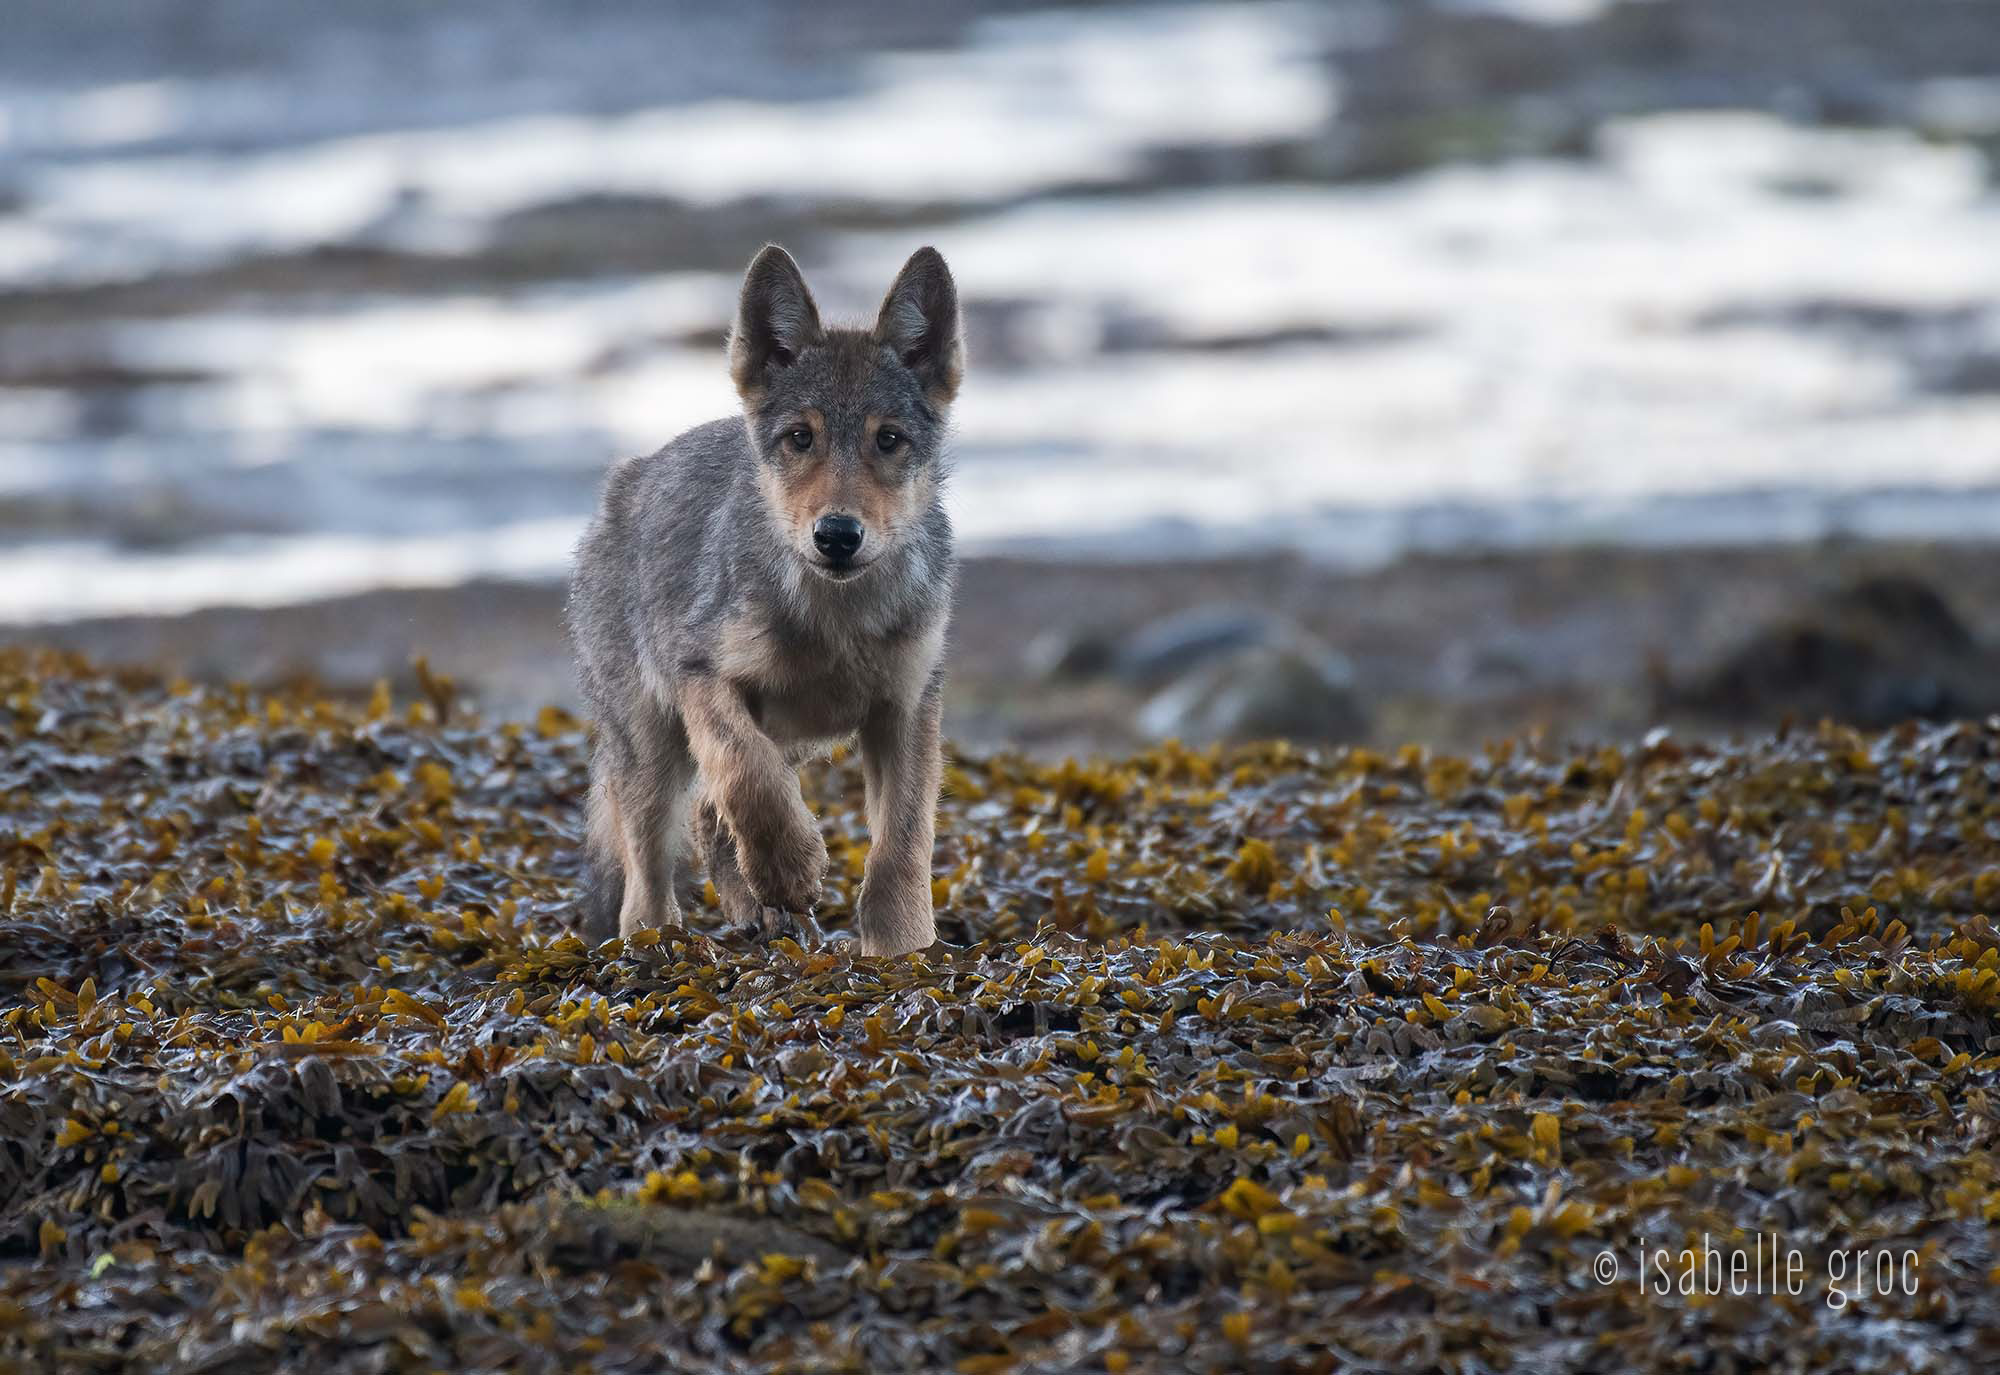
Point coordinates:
pixel 1354 370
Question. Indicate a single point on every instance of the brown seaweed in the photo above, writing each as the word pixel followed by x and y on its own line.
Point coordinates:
pixel 1268 1059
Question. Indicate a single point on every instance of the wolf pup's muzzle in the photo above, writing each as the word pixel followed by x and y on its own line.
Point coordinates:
pixel 838 539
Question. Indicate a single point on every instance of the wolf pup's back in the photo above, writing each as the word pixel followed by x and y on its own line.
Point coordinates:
pixel 761 588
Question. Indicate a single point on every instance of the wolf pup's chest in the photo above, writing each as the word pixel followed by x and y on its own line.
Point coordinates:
pixel 805 692
pixel 822 704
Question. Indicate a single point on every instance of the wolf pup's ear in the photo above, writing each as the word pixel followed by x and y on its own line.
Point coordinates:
pixel 919 320
pixel 775 318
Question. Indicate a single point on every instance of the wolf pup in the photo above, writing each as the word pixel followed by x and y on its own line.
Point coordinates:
pixel 763 587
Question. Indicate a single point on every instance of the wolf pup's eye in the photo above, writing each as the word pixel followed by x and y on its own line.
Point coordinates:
pixel 888 440
pixel 800 439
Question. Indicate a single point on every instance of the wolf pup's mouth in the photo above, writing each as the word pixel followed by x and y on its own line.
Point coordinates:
pixel 839 572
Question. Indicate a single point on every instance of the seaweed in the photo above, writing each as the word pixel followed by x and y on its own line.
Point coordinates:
pixel 1259 1059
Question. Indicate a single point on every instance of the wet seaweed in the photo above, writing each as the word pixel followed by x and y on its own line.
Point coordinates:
pixel 1264 1059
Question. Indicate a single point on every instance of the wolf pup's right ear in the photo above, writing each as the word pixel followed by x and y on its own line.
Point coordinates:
pixel 775 318
pixel 919 320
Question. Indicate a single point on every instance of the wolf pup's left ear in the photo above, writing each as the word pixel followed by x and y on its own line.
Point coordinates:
pixel 919 320
pixel 775 318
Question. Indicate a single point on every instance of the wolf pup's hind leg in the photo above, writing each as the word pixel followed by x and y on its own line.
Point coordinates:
pixel 603 897
pixel 639 823
pixel 604 866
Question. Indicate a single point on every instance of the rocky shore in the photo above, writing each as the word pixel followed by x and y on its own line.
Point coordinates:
pixel 1068 657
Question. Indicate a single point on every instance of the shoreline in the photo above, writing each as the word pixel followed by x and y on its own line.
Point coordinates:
pixel 1448 650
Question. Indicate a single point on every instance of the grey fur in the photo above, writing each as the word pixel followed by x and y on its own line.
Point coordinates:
pixel 716 648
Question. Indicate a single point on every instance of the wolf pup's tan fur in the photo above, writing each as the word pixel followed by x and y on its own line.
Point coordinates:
pixel 763 587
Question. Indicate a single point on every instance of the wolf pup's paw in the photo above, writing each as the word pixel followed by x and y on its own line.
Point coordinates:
pixel 775 923
pixel 895 920
pixel 785 871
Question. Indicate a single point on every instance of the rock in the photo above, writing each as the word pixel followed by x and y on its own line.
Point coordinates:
pixel 1217 672
pixel 1872 653
pixel 1172 645
pixel 1290 688
pixel 1071 653
pixel 1154 653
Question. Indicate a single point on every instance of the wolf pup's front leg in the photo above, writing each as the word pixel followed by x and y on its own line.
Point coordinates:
pixel 778 844
pixel 901 765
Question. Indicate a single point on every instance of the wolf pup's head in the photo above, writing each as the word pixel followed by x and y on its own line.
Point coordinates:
pixel 848 424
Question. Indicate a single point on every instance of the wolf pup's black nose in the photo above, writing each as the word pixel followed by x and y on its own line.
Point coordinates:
pixel 837 537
